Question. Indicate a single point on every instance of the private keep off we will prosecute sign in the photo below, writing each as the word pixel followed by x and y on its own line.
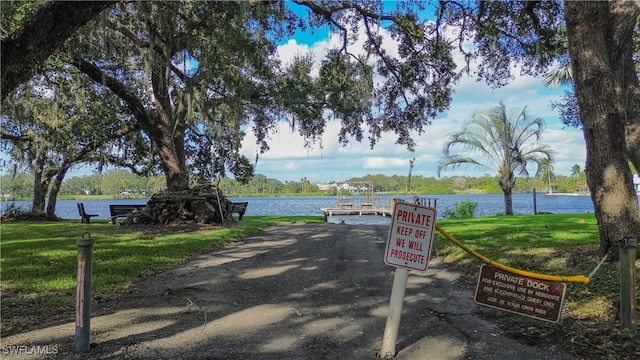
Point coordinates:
pixel 410 236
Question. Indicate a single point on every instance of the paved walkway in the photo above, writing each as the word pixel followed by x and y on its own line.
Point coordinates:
pixel 307 291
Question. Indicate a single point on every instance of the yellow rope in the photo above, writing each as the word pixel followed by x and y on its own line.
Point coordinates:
pixel 576 279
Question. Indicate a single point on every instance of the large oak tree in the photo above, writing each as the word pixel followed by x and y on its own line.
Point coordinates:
pixel 196 75
pixel 597 39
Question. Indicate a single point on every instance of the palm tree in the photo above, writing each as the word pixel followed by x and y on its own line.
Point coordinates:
pixel 508 144
pixel 575 170
pixel 411 162
pixel 547 172
pixel 559 76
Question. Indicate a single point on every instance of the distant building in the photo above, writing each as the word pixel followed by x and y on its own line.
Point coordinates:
pixel 325 187
pixel 342 186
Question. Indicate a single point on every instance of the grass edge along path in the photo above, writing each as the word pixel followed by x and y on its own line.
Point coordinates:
pixel 38 263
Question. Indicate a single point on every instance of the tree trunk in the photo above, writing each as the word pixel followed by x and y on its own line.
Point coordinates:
pixel 632 136
pixel 173 166
pixel 601 47
pixel 40 182
pixel 507 181
pixel 55 189
pixel 508 202
pixel 167 133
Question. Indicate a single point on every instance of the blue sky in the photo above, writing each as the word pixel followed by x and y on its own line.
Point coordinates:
pixel 288 160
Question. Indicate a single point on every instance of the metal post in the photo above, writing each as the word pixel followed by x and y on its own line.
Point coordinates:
pixel 535 205
pixel 627 285
pixel 388 349
pixel 83 294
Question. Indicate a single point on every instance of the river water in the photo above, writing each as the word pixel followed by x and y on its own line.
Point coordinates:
pixel 488 205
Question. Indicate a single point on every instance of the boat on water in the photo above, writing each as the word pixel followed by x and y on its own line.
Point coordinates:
pixel 569 194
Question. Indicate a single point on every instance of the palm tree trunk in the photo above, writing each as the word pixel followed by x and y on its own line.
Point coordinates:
pixel 508 202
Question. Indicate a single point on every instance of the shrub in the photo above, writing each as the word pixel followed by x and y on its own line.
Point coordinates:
pixel 15 212
pixel 463 210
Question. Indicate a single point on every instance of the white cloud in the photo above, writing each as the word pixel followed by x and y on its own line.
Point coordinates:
pixel 569 147
pixel 379 162
pixel 290 50
pixel 289 161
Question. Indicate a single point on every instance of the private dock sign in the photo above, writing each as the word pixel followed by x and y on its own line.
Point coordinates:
pixel 539 299
pixel 410 236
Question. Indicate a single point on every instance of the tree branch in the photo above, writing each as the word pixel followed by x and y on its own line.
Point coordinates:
pixel 15 138
pixel 24 52
pixel 119 89
pixel 327 12
pixel 128 34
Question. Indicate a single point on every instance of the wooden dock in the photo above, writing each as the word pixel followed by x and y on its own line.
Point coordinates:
pixel 337 211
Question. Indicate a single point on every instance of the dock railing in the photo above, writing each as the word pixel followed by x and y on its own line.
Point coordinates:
pixel 367 203
pixel 424 201
pixel 345 203
pixel 373 206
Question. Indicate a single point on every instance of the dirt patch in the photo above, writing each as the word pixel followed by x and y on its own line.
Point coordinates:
pixel 175 227
pixel 298 291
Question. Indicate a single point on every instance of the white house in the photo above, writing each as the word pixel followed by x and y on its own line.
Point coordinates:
pixel 325 187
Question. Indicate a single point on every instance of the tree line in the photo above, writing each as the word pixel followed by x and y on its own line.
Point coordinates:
pixel 124 183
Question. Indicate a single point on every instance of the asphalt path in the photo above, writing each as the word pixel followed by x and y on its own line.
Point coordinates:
pixel 293 291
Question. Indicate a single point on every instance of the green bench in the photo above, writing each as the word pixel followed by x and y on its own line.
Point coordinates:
pixel 121 211
pixel 84 217
pixel 238 208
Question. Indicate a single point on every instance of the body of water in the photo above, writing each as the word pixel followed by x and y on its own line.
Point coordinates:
pixel 488 205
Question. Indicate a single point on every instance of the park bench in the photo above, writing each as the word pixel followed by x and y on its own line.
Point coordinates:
pixel 346 203
pixel 238 208
pixel 84 217
pixel 367 203
pixel 121 211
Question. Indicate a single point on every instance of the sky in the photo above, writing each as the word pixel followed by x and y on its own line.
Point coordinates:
pixel 288 160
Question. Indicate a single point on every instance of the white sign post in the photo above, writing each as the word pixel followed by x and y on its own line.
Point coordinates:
pixel 408 248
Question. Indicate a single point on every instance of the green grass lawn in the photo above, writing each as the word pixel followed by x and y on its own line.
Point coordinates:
pixel 38 260
pixel 555 245
pixel 549 244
